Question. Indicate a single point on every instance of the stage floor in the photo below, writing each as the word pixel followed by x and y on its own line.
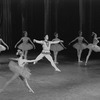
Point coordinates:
pixel 74 82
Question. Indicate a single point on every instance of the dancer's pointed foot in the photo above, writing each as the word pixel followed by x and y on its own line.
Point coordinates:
pixel 85 64
pixel 80 61
pixel 58 70
pixel 31 91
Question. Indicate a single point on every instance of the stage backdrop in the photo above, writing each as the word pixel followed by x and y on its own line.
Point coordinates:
pixel 40 17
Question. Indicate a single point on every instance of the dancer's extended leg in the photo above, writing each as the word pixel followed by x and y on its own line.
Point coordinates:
pixel 52 62
pixel 39 57
pixel 28 86
pixel 79 55
pixel 26 52
pixel 13 78
pixel 55 57
pixel 89 53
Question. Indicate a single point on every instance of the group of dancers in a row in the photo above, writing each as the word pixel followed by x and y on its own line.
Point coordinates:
pixel 19 65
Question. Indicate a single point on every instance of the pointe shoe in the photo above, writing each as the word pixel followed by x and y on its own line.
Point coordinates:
pixel 31 91
pixel 85 64
pixel 58 70
pixel 80 61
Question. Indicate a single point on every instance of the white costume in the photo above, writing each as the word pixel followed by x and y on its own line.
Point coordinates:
pixel 46 52
pixel 20 68
pixel 80 45
pixel 25 45
pixel 92 46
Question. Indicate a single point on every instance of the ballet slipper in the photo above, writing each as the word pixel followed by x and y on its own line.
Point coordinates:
pixel 31 91
pixel 58 70
pixel 80 61
pixel 85 64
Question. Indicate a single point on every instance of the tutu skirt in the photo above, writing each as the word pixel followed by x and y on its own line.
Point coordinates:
pixel 22 71
pixel 95 48
pixel 25 46
pixel 56 47
pixel 2 48
pixel 80 46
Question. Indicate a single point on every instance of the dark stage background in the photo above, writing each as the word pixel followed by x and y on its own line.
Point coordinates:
pixel 40 17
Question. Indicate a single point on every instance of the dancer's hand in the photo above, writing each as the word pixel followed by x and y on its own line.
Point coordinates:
pixel 34 40
pixel 61 41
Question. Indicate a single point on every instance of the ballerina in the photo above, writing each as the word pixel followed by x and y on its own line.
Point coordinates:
pixel 19 69
pixel 46 51
pixel 56 48
pixel 93 46
pixel 25 46
pixel 79 46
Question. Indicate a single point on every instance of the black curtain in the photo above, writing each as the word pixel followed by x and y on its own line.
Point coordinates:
pixel 5 21
pixel 40 17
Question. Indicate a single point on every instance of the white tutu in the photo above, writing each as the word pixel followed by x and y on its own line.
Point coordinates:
pixel 23 71
pixel 79 46
pixel 25 46
pixel 2 48
pixel 95 48
pixel 56 47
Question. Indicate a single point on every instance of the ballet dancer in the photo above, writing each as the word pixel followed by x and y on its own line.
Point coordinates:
pixel 19 69
pixel 25 46
pixel 2 47
pixel 79 46
pixel 46 51
pixel 93 46
pixel 56 48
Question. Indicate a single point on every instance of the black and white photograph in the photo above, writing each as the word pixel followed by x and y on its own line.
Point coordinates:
pixel 49 49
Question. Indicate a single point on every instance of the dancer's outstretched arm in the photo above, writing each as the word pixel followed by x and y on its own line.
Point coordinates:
pixel 16 59
pixel 98 37
pixel 55 42
pixel 32 43
pixel 62 45
pixel 85 40
pixel 37 41
pixel 18 42
pixel 27 61
pixel 73 41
